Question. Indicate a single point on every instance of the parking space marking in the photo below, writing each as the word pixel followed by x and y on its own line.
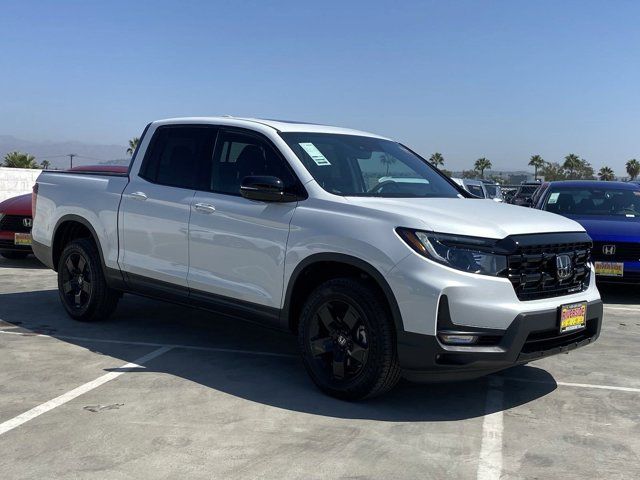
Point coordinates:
pixel 490 461
pixel 578 385
pixel 76 392
pixel 150 344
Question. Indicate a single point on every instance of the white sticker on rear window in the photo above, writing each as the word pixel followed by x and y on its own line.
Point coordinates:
pixel 553 198
pixel 315 154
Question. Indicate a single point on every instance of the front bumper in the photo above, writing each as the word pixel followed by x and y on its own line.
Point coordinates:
pixel 7 243
pixel 530 336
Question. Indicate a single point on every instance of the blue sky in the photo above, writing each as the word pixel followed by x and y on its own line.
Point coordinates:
pixel 499 79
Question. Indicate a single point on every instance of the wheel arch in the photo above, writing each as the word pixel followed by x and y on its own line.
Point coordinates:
pixel 319 267
pixel 68 228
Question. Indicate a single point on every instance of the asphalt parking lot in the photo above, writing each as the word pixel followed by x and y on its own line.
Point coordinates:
pixel 162 391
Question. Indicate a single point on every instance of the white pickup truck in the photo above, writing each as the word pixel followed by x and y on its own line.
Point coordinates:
pixel 380 264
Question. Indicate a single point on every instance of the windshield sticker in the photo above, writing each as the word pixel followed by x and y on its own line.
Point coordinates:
pixel 553 198
pixel 315 154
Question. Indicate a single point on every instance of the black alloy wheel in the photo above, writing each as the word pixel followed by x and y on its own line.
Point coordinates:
pixel 76 281
pixel 82 285
pixel 347 339
pixel 338 340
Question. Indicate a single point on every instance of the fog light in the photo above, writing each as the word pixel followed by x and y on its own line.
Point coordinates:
pixel 457 339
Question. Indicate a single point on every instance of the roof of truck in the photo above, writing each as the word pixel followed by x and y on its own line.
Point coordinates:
pixel 278 125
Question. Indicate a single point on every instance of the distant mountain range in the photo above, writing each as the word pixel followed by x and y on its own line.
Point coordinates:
pixel 57 152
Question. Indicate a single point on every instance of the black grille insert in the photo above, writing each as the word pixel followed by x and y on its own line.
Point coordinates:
pixel 14 223
pixel 533 271
pixel 621 251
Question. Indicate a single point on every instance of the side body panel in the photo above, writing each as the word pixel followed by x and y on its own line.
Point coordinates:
pixel 95 198
pixel 239 250
pixel 154 231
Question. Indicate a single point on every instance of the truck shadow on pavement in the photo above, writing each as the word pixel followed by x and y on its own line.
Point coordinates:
pixel 619 294
pixel 277 381
pixel 31 262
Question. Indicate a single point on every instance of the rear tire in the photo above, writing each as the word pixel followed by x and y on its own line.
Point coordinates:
pixel 82 287
pixel 348 340
pixel 14 255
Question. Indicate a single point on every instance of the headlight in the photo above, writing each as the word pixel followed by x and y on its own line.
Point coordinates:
pixel 469 254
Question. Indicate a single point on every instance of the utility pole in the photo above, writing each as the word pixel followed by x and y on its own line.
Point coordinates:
pixel 71 155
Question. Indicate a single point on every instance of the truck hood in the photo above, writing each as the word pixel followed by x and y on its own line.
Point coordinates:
pixel 465 216
pixel 20 205
pixel 610 228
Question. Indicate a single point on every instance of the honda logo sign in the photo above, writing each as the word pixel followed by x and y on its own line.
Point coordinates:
pixel 27 222
pixel 609 249
pixel 563 266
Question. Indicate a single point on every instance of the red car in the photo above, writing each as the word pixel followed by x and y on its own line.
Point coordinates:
pixel 16 217
pixel 15 227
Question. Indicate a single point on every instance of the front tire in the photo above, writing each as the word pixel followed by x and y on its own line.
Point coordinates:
pixel 82 287
pixel 347 340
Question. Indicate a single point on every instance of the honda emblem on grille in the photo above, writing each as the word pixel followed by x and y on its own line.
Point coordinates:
pixel 27 222
pixel 609 249
pixel 563 266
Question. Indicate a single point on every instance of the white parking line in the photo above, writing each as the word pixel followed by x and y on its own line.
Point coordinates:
pixel 490 462
pixel 76 392
pixel 150 344
pixel 578 385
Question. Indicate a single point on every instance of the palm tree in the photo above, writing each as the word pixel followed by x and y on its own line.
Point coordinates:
pixel 572 164
pixel 387 160
pixel 436 159
pixel 606 174
pixel 45 164
pixel 20 160
pixel 633 168
pixel 133 144
pixel 481 165
pixel 536 161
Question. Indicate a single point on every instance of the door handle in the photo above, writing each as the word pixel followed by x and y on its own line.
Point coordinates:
pixel 205 208
pixel 138 195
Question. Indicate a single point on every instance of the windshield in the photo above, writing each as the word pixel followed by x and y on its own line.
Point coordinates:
pixel 594 201
pixel 493 191
pixel 527 190
pixel 352 165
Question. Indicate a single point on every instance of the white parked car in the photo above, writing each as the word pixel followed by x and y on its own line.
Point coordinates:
pixel 494 191
pixel 378 262
pixel 474 187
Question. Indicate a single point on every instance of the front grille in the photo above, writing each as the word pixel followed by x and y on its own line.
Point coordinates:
pixel 624 251
pixel 14 223
pixel 533 272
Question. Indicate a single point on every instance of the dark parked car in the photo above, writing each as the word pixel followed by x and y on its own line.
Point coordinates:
pixel 524 194
pixel 610 213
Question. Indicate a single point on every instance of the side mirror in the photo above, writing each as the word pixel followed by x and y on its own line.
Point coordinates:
pixel 265 189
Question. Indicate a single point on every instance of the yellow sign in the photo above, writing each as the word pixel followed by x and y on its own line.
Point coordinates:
pixel 22 239
pixel 573 317
pixel 610 269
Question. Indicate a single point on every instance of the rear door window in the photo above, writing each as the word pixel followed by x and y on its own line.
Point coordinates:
pixel 175 154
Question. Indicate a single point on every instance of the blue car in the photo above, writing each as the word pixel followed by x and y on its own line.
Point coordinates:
pixel 610 213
